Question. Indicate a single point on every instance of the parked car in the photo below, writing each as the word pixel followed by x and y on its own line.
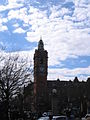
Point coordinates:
pixel 44 118
pixel 54 118
pixel 87 116
pixel 45 114
pixel 59 118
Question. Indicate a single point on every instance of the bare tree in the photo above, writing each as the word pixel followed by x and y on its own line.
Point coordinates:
pixel 14 74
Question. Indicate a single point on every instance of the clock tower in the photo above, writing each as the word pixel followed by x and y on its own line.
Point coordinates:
pixel 40 77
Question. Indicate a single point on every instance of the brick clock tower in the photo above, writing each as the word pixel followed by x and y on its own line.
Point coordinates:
pixel 40 78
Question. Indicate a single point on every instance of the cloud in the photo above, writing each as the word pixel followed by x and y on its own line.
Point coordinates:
pixel 10 6
pixel 17 14
pixel 33 36
pixel 16 25
pixel 15 1
pixel 64 31
pixel 64 38
pixel 19 30
pixel 3 27
pixel 69 74
pixel 72 42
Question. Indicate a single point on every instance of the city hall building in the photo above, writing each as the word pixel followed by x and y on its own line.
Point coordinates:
pixel 57 96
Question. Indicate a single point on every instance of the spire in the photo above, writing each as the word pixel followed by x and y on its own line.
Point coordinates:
pixel 40 44
pixel 40 37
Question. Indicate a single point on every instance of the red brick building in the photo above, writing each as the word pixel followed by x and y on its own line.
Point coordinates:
pixel 55 95
pixel 40 77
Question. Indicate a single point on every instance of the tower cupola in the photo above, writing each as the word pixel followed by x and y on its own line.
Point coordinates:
pixel 40 45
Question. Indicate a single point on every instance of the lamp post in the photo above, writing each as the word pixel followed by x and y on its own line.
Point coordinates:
pixel 54 103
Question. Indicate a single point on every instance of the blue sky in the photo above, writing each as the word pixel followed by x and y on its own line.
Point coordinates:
pixel 65 29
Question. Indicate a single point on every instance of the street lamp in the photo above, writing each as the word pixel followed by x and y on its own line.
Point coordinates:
pixel 54 104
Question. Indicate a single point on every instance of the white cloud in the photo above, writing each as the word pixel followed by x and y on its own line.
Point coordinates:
pixel 54 27
pixel 15 1
pixel 71 41
pixel 80 13
pixel 4 20
pixel 81 2
pixel 19 30
pixel 16 25
pixel 69 74
pixel 10 6
pixel 33 36
pixel 16 15
pixel 64 36
pixel 3 27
